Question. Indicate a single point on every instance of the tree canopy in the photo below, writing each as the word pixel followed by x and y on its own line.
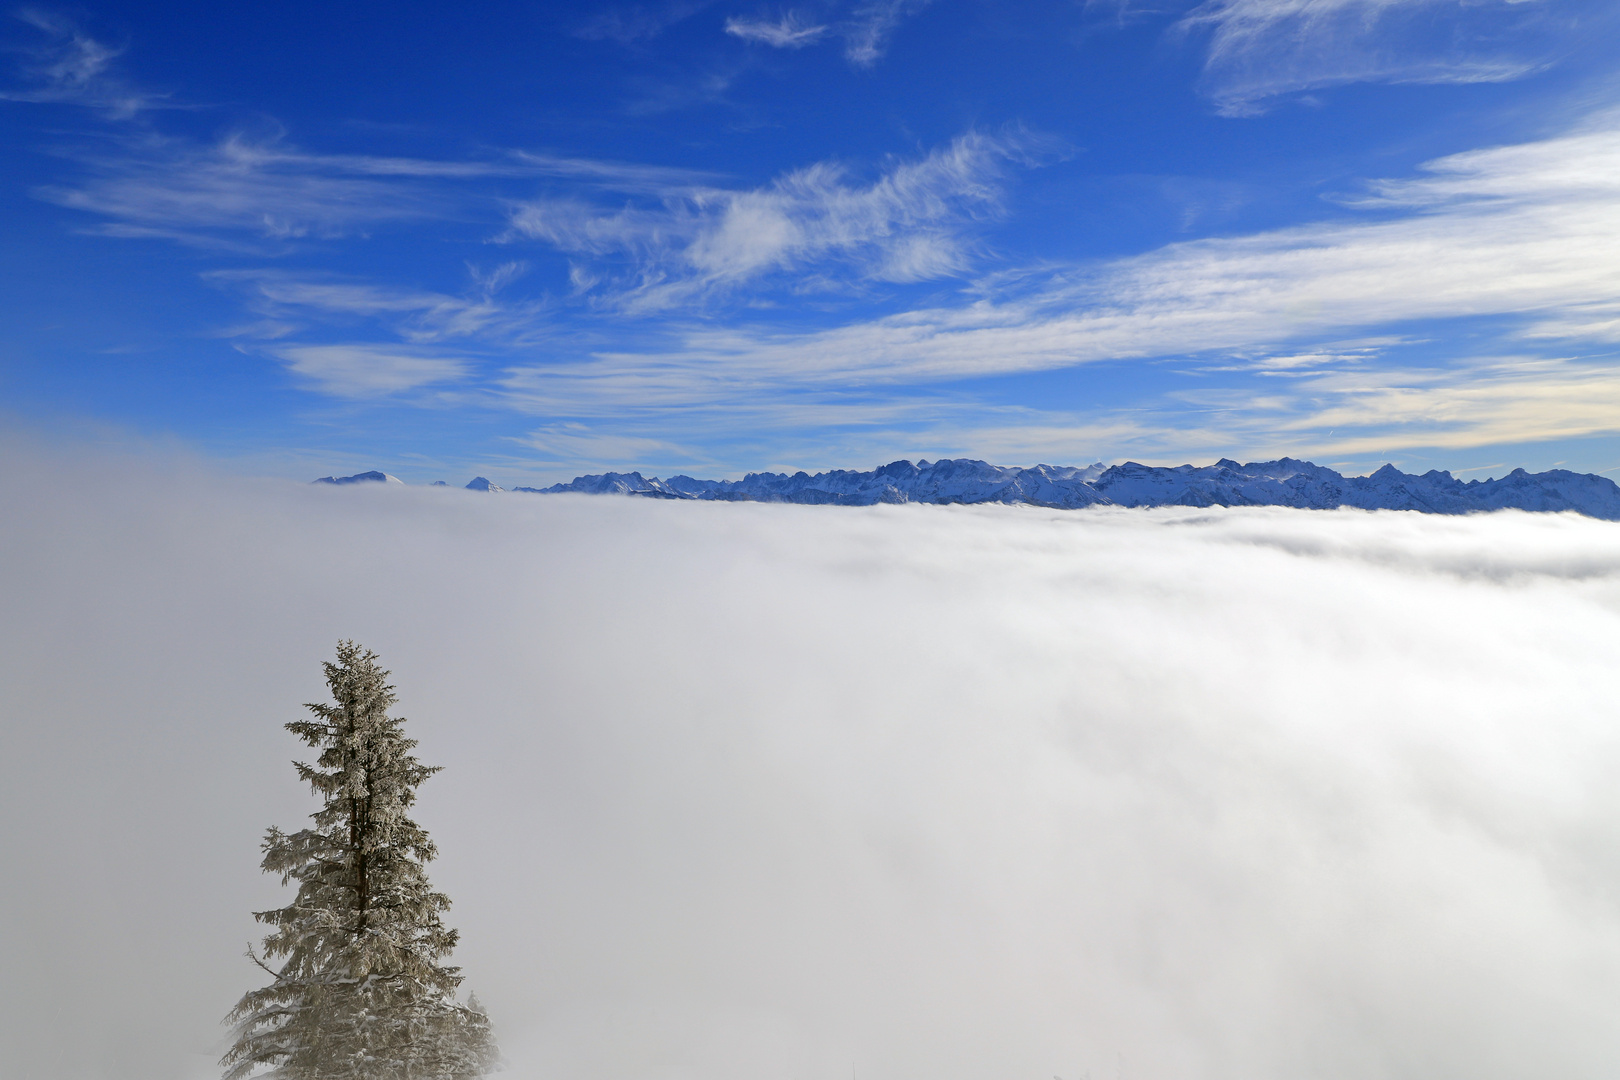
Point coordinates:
pixel 361 992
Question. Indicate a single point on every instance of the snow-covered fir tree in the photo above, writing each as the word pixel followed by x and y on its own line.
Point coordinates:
pixel 361 993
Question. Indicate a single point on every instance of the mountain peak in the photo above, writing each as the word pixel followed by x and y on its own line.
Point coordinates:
pixel 373 477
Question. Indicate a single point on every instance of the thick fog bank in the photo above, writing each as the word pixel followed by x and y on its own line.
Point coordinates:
pixel 763 792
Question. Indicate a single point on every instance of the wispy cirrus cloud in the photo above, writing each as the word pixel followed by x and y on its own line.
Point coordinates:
pixel 73 68
pixel 866 28
pixel 1260 49
pixel 871 25
pixel 631 23
pixel 912 223
pixel 579 443
pixel 254 193
pixel 1372 405
pixel 624 177
pixel 240 187
pixel 1521 236
pixel 368 370
pixel 1495 401
pixel 1527 232
pixel 1524 235
pixel 788 31
pixel 1358 416
pixel 290 302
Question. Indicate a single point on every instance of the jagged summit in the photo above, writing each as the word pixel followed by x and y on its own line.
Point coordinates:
pixel 373 477
pixel 1284 482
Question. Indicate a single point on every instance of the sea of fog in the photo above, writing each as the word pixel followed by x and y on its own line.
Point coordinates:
pixel 756 792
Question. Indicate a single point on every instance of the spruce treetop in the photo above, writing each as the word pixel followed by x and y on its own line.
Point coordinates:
pixel 361 993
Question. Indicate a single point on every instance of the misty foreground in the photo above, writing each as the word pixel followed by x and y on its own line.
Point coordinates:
pixel 736 791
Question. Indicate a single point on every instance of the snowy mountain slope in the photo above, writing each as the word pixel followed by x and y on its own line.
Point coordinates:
pixel 960 480
pixel 373 477
pixel 1285 482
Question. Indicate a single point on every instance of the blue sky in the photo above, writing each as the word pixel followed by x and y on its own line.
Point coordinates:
pixel 530 241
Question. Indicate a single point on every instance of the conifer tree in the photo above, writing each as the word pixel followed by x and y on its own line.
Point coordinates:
pixel 362 993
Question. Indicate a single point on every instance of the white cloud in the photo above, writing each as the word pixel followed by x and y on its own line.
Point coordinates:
pixel 414 315
pixel 911 224
pixel 1362 412
pixel 494 280
pixel 174 188
pixel 1490 403
pixel 1356 416
pixel 866 35
pixel 630 23
pixel 1252 795
pixel 76 69
pixel 1259 49
pixel 787 32
pixel 866 30
pixel 661 181
pixel 368 371
pixel 1358 412
pixel 242 191
pixel 581 446
pixel 1530 231
pixel 1524 234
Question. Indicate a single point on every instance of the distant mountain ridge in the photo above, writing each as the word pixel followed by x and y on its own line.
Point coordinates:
pixel 1284 482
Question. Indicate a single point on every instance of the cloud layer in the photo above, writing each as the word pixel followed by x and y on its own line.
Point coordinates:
pixel 786 32
pixel 363 371
pixel 70 67
pixel 1524 230
pixel 1524 234
pixel 736 789
pixel 866 28
pixel 1259 49
pixel 912 223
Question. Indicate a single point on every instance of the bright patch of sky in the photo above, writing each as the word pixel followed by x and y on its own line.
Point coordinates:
pixel 531 241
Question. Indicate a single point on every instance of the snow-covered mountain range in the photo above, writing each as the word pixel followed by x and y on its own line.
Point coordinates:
pixel 1285 482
